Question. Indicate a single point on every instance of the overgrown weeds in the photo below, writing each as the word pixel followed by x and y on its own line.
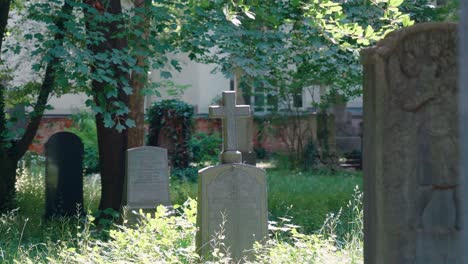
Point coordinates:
pixel 170 238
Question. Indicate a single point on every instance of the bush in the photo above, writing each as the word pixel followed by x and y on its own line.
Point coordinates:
pixel 260 152
pixel 185 174
pixel 84 126
pixel 172 119
pixel 205 148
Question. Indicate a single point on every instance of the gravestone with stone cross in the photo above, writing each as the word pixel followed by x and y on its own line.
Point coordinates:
pixel 147 180
pixel 232 197
pixel 412 198
pixel 64 175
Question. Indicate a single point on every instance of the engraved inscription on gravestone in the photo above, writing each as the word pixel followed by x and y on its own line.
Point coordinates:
pixel 147 180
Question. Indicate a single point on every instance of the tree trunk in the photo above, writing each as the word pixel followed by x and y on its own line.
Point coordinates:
pixel 4 10
pixel 112 147
pixel 112 144
pixel 136 135
pixel 8 180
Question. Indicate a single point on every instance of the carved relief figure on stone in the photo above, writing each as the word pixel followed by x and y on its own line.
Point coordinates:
pixel 427 83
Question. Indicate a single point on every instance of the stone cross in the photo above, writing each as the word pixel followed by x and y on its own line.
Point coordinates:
pixel 229 112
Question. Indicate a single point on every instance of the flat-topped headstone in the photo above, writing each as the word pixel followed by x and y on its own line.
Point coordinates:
pixel 232 196
pixel 64 175
pixel 147 179
pixel 411 147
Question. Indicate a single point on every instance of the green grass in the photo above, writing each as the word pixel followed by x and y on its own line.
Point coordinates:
pixel 305 199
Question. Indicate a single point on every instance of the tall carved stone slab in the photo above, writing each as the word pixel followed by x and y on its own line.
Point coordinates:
pixel 463 85
pixel 411 175
pixel 236 194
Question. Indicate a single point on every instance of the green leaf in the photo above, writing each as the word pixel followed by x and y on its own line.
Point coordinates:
pixel 406 21
pixel 395 3
pixel 130 123
pixel 119 127
pixel 166 74
pixel 369 32
pixel 108 122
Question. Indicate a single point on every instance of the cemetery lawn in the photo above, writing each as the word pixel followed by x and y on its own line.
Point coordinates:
pixel 295 198
pixel 304 197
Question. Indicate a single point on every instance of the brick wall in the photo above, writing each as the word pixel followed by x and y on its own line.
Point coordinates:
pixel 270 139
pixel 49 126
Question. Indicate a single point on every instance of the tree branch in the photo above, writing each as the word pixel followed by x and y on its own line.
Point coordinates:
pixel 47 86
pixel 4 10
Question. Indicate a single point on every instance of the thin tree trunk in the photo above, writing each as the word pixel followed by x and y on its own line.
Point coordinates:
pixel 7 181
pixel 11 151
pixel 4 10
pixel 136 135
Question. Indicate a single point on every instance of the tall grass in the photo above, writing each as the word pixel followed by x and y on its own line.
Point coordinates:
pixel 170 238
pixel 305 197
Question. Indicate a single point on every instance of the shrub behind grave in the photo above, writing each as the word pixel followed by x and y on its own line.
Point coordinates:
pixel 205 148
pixel 171 120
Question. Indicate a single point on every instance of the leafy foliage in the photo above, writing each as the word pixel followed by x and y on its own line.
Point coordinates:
pixel 172 120
pixel 205 148
pixel 292 45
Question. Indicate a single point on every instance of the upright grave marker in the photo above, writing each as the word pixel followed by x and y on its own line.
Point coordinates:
pixel 147 179
pixel 64 175
pixel 412 211
pixel 231 192
pixel 463 86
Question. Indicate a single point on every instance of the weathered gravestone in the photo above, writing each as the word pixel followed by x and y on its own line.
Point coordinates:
pixel 411 175
pixel 463 86
pixel 64 175
pixel 232 191
pixel 147 180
